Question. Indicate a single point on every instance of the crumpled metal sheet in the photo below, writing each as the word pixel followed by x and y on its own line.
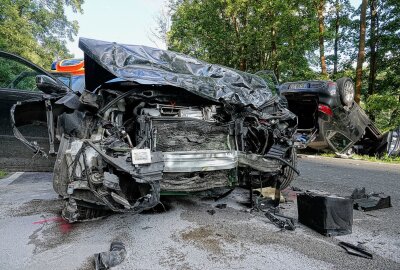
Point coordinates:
pixel 152 66
pixel 106 260
pixel 368 202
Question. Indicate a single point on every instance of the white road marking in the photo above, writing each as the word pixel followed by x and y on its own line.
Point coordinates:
pixel 10 179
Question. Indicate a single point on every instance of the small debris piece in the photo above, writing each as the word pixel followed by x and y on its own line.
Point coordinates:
pixel 368 202
pixel 115 256
pixel 281 221
pixel 221 206
pixel 211 211
pixel 325 213
pixel 295 188
pixel 355 250
pixel 269 193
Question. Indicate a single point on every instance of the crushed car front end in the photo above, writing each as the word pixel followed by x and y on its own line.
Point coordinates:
pixel 154 121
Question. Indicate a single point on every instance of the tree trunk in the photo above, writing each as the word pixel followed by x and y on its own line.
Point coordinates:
pixel 335 49
pixel 320 9
pixel 373 47
pixel 274 52
pixel 361 51
pixel 243 64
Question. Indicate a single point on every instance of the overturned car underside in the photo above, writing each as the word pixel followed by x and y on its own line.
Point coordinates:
pixel 155 121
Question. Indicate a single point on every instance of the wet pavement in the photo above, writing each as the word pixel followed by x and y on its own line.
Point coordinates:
pixel 186 236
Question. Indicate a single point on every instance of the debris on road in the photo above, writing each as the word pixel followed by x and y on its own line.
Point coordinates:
pixel 355 250
pixel 270 193
pixel 325 213
pixel 211 211
pixel 115 256
pixel 368 202
pixel 280 221
pixel 295 188
pixel 221 206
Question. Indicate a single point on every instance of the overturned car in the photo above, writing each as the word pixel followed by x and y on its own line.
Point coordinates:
pixel 330 118
pixel 153 121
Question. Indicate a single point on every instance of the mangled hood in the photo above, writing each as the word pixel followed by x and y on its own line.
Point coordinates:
pixel 145 65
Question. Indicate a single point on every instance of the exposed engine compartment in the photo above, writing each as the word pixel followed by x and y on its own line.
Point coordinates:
pixel 119 151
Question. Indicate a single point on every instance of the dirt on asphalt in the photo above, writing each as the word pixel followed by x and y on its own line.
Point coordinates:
pixel 186 236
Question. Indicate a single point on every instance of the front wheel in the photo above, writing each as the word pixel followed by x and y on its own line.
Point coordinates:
pixel 288 173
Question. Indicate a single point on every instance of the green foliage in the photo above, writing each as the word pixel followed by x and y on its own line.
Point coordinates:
pixel 37 30
pixel 347 36
pixel 247 35
pixel 385 158
pixel 16 75
pixel 385 109
pixel 2 174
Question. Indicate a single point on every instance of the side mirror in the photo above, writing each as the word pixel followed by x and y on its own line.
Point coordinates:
pixel 49 86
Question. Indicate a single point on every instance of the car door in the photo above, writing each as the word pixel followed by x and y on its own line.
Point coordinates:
pixel 17 83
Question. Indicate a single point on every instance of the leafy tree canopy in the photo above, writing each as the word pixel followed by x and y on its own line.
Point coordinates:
pixel 247 35
pixel 37 29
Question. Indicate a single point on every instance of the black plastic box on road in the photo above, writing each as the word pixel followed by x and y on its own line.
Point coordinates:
pixel 327 214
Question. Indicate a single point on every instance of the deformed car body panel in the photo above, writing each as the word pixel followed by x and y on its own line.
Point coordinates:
pixel 146 65
pixel 157 120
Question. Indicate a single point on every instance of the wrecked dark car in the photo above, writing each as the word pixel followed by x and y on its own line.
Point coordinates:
pixel 329 118
pixel 17 83
pixel 153 121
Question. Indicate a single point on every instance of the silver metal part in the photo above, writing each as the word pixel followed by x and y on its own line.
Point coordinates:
pixel 205 113
pixel 111 181
pixel 213 160
pixel 196 161
pixel 191 113
pixel 121 200
pixel 151 112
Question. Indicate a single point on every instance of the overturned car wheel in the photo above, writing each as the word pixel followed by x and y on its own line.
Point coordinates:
pixel 346 91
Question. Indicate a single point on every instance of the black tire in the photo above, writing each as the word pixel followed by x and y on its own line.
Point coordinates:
pixel 286 178
pixel 288 173
pixel 346 90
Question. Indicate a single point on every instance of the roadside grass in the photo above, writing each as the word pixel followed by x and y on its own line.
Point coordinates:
pixel 385 158
pixel 2 174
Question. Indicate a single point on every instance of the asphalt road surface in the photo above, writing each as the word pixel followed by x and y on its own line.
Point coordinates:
pixel 186 236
